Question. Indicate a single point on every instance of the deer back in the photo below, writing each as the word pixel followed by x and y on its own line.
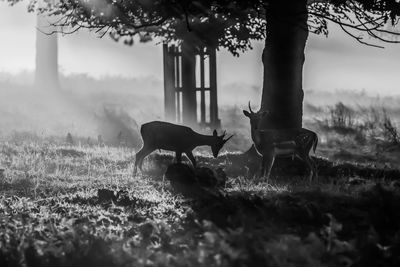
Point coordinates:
pixel 168 136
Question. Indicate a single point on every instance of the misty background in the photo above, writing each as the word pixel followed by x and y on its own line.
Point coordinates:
pixel 109 89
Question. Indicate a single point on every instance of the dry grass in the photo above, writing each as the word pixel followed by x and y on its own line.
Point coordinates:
pixel 78 204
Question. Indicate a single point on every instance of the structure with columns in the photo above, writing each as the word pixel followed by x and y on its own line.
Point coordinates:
pixel 190 85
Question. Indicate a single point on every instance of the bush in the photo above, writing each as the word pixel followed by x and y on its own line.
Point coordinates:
pixel 389 130
pixel 361 125
pixel 341 116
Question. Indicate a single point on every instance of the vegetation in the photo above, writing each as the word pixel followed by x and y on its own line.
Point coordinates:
pixel 68 204
pixel 71 205
pixel 359 134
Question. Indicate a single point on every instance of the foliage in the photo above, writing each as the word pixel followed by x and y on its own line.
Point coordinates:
pixel 357 17
pixel 228 24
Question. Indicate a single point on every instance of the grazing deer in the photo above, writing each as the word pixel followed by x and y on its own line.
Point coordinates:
pixel 172 137
pixel 296 142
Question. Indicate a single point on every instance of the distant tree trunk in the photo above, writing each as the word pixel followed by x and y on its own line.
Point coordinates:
pixel 46 74
pixel 283 60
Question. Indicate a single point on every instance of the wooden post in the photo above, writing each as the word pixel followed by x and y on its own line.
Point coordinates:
pixel 214 121
pixel 169 87
pixel 177 58
pixel 188 84
pixel 202 90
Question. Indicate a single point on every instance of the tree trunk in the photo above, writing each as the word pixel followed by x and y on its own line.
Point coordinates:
pixel 46 76
pixel 283 60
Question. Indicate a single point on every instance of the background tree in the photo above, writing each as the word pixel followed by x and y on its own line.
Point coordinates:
pixel 284 24
pixel 46 71
pixel 46 61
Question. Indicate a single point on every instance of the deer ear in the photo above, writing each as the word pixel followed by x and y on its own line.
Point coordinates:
pixel 246 113
pixel 215 133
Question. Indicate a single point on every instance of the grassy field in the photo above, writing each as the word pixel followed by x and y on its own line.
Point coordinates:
pixel 75 205
pixel 75 201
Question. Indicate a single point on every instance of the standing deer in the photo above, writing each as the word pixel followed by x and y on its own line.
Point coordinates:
pixel 296 142
pixel 172 137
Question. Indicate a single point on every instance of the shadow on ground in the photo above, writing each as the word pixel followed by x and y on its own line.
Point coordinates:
pixel 247 164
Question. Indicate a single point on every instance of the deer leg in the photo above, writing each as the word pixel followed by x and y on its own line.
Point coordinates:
pixel 144 152
pixel 271 161
pixel 268 162
pixel 178 156
pixel 310 165
pixel 138 158
pixel 189 154
pixel 262 169
pixel 314 165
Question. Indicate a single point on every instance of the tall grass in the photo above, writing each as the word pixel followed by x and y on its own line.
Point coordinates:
pixel 366 124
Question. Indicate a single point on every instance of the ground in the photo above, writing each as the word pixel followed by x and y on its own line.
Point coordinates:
pixel 80 205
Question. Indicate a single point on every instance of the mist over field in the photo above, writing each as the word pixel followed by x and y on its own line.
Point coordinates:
pixel 114 107
pixel 84 107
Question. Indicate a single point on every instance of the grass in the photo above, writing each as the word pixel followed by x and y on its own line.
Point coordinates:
pixel 71 203
pixel 367 135
pixel 63 205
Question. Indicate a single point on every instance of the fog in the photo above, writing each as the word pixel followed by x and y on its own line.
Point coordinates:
pixel 84 107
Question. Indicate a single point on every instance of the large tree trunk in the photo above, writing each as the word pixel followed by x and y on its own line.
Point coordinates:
pixel 283 60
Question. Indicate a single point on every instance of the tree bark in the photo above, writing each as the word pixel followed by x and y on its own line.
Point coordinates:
pixel 283 59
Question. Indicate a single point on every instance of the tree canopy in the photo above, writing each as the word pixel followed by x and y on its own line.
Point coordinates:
pixel 221 23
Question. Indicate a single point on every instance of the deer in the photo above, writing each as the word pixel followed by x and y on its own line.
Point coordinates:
pixel 272 143
pixel 177 138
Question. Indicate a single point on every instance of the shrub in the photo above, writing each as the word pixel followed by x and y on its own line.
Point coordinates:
pixel 390 131
pixel 342 117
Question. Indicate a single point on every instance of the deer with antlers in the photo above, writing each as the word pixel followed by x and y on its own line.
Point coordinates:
pixel 272 143
pixel 177 138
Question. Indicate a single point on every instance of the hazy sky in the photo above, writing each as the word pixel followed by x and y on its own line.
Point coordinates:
pixel 337 62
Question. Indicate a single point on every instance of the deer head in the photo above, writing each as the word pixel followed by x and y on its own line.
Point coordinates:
pixel 255 117
pixel 219 142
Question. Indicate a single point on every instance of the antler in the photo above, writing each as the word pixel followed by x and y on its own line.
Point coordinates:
pixel 251 111
pixel 226 140
pixel 265 112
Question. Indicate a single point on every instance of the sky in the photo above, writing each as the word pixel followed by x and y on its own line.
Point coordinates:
pixel 336 62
